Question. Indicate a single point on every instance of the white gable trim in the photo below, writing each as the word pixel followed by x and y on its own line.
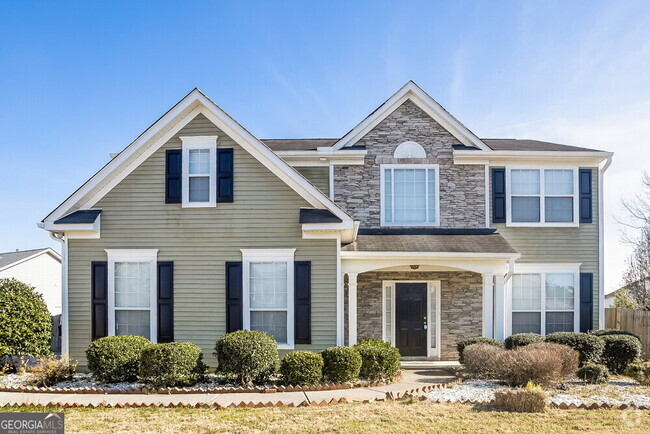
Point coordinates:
pixel 202 105
pixel 411 91
pixel 49 251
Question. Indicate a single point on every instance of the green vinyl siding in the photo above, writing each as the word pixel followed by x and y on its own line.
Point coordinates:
pixel 560 245
pixel 199 241
pixel 319 176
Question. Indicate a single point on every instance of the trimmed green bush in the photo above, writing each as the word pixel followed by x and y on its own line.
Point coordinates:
pixel 341 364
pixel 612 332
pixel 249 356
pixel 593 373
pixel 460 346
pixel 640 372
pixel 379 360
pixel 522 339
pixel 302 368
pixel 173 364
pixel 589 346
pixel 25 322
pixel 114 359
pixel 620 351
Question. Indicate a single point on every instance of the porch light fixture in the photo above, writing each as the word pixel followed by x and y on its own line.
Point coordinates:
pixel 414 267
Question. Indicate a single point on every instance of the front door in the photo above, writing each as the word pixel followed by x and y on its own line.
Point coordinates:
pixel 411 318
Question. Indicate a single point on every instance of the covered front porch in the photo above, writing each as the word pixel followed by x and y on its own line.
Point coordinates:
pixel 424 293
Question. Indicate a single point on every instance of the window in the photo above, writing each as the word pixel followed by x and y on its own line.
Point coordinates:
pixel 268 293
pixel 409 195
pixel 542 196
pixel 199 171
pixel 544 302
pixel 132 280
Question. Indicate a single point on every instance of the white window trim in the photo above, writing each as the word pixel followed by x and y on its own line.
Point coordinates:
pixel 541 195
pixel 436 169
pixel 389 285
pixel 543 270
pixel 270 255
pixel 199 142
pixel 133 255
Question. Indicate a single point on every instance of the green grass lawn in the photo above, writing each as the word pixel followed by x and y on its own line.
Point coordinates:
pixel 363 418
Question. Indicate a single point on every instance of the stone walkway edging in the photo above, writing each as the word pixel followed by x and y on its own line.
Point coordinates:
pixel 562 405
pixel 365 395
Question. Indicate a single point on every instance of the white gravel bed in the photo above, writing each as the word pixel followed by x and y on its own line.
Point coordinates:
pixel 615 393
pixel 470 390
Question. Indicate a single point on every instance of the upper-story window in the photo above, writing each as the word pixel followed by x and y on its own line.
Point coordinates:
pixel 410 195
pixel 199 171
pixel 542 196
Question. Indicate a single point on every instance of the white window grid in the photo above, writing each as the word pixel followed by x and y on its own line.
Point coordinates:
pixel 200 143
pixel 430 208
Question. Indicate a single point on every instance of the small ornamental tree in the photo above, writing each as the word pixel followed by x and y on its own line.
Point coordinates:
pixel 25 322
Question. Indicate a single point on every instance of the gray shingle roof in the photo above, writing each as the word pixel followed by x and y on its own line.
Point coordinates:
pixel 297 144
pixel 80 217
pixel 312 215
pixel 9 258
pixel 529 145
pixel 493 243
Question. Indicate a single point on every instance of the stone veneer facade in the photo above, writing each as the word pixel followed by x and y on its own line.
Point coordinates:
pixel 461 310
pixel 462 187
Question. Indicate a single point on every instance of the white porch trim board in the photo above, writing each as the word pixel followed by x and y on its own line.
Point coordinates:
pixel 488 305
pixel 352 309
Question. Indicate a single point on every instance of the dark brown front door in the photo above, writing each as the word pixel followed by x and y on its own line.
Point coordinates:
pixel 410 318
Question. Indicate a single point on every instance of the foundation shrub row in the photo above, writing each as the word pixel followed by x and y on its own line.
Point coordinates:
pixel 245 357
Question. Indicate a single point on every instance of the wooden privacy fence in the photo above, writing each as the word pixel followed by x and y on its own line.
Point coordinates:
pixel 633 321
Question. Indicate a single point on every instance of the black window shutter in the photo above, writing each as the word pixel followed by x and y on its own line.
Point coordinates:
pixel 585 196
pixel 302 302
pixel 225 175
pixel 173 178
pixel 586 301
pixel 99 278
pixel 499 195
pixel 165 302
pixel 234 307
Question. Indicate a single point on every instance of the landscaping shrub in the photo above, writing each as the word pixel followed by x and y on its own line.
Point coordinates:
pixel 522 339
pixel 460 346
pixel 50 370
pixel 302 368
pixel 620 351
pixel 172 364
pixel 25 322
pixel 612 332
pixel 341 364
pixel 530 363
pixel 589 346
pixel 249 356
pixel 482 360
pixel 114 359
pixel 569 358
pixel 640 372
pixel 379 360
pixel 593 373
pixel 531 399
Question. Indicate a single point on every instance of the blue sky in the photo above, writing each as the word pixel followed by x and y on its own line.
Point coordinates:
pixel 79 80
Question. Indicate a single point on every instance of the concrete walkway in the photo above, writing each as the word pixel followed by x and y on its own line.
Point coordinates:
pixel 416 381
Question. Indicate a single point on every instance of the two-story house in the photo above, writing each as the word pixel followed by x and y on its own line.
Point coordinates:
pixel 409 229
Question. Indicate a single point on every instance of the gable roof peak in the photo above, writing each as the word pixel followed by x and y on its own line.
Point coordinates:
pixel 411 91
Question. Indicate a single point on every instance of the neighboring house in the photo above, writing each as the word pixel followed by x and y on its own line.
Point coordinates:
pixel 40 268
pixel 409 228
pixel 610 298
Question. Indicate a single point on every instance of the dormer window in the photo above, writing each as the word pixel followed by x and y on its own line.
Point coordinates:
pixel 410 195
pixel 199 171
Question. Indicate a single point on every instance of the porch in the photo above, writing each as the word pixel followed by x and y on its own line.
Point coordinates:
pixel 424 293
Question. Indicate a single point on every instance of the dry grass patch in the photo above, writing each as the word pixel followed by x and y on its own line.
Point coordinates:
pixel 361 418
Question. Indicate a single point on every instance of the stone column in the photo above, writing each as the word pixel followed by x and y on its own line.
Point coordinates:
pixel 488 305
pixel 352 309
pixel 500 307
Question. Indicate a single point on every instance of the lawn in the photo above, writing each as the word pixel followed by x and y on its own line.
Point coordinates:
pixel 376 417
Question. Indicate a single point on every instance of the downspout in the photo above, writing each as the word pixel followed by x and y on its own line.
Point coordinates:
pixel 65 346
pixel 601 245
